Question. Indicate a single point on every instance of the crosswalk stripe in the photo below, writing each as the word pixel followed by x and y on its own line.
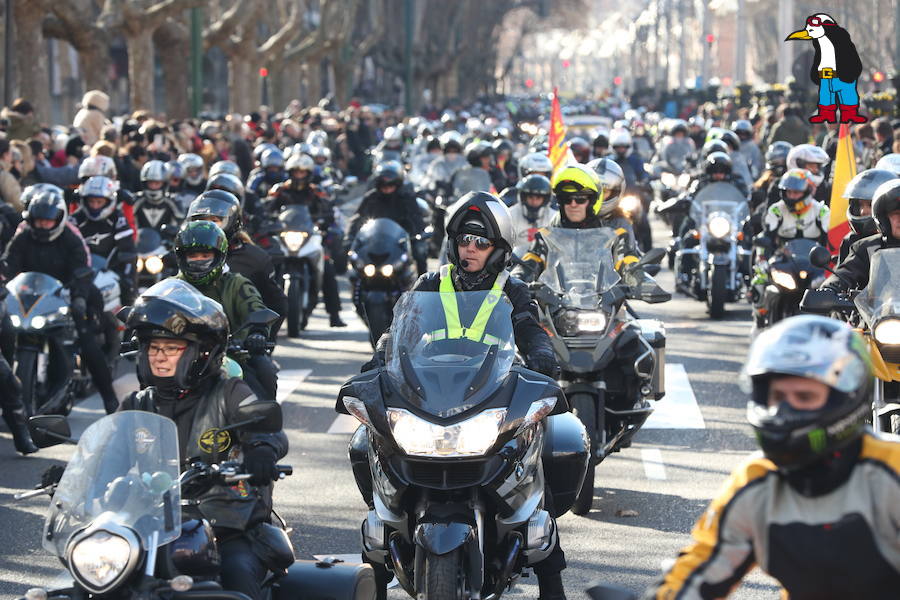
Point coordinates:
pixel 288 381
pixel 678 409
pixel 343 424
pixel 654 468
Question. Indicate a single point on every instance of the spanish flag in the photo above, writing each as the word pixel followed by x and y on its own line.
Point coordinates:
pixel 844 171
pixel 558 150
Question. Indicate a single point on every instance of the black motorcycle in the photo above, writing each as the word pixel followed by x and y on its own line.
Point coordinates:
pixel 382 268
pixel 46 343
pixel 126 523
pixel 458 447
pixel 303 264
pixel 154 261
pixel 612 362
pixel 787 275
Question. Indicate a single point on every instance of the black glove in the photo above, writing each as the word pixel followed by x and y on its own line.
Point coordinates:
pixel 259 462
pixel 255 343
pixel 543 362
pixel 51 476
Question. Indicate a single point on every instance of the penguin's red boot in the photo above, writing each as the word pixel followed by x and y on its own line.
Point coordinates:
pixel 826 114
pixel 849 115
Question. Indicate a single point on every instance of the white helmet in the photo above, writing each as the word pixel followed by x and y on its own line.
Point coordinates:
pixel 154 170
pixel 300 161
pixel 803 154
pixel 317 138
pixel 393 135
pixel 97 165
pixel 535 162
pixel 474 125
pixel 889 162
pixel 619 137
pixel 98 186
pixel 193 168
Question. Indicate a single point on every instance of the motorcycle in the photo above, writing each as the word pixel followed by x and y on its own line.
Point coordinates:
pixel 877 314
pixel 612 362
pixel 152 250
pixel 714 272
pixel 107 282
pixel 46 343
pixel 788 274
pixel 303 265
pixel 382 269
pixel 126 523
pixel 457 447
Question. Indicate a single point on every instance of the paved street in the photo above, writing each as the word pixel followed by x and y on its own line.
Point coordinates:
pixel 647 499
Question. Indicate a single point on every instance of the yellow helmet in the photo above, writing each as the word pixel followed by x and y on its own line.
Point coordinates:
pixel 579 180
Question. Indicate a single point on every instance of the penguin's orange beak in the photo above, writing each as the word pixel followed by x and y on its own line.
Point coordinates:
pixel 799 35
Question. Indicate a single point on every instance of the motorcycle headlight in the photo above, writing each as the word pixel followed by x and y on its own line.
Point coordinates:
pixel 669 179
pixel 785 280
pixel 684 180
pixel 153 265
pixel 472 437
pixel 100 559
pixel 888 332
pixel 590 322
pixel 294 239
pixel 369 270
pixel 38 322
pixel 719 226
pixel 387 270
pixel 16 320
pixel 140 264
pixel 630 204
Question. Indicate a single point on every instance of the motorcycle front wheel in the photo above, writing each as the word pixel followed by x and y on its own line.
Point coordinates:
pixel 585 408
pixel 718 291
pixel 444 576
pixel 296 305
pixel 26 371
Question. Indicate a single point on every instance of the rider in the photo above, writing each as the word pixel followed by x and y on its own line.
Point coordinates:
pixel 153 206
pixel 244 257
pixel 299 189
pixel 530 164
pixel 105 229
pixel 749 148
pixel 478 249
pixel 194 181
pixel 797 214
pixel 388 199
pixel 181 345
pixel 859 193
pixel 47 245
pixel 532 209
pixel 201 250
pixel 765 190
pixel 817 510
pixel 270 173
pixel 853 272
pixel 813 159
pixel 475 177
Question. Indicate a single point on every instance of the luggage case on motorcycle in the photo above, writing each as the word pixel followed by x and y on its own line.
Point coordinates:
pixel 327 579
pixel 565 459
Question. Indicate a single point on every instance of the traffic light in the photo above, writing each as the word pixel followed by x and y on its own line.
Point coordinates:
pixel 529 83
pixel 878 77
pixel 710 38
pixel 617 80
pixel 263 72
pixel 566 64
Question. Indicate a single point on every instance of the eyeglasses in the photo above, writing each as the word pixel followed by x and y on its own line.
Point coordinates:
pixel 566 199
pixel 169 351
pixel 816 22
pixel 482 243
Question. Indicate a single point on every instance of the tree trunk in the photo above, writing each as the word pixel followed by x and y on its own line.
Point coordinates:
pixel 239 84
pixel 31 49
pixel 174 47
pixel 140 69
pixel 343 80
pixel 93 62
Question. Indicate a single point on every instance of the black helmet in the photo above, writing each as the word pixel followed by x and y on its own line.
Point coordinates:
pixel 51 205
pixel 816 348
pixel 713 146
pixel 679 126
pixel 731 139
pixel 776 156
pixel 533 185
pixel 227 182
pixel 717 162
pixel 601 139
pixel 502 145
pixel 476 151
pixel 484 214
pixel 861 188
pixel 387 173
pixel 432 144
pixel 581 150
pixel 201 235
pixel 175 309
pixel 218 203
pixel 885 201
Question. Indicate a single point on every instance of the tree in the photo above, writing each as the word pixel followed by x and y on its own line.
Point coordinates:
pixel 33 74
pixel 351 49
pixel 75 22
pixel 172 43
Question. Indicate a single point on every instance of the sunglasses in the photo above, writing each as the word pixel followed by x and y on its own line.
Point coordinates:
pixel 563 200
pixel 817 22
pixel 465 240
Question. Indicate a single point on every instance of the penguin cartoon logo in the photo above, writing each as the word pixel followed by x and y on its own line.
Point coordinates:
pixel 836 68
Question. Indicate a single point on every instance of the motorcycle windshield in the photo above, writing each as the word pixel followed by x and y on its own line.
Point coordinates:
pixel 719 197
pixel 676 154
pixel 181 293
pixel 450 351
pixel 125 470
pixel 798 250
pixel 148 241
pixel 881 297
pixel 27 288
pixel 580 264
pixel 380 240
pixel 296 218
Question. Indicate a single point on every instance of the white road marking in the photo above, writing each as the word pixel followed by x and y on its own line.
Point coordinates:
pixel 678 409
pixel 343 425
pixel 654 468
pixel 288 381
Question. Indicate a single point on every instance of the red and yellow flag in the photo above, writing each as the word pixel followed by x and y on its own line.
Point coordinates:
pixel 558 150
pixel 844 171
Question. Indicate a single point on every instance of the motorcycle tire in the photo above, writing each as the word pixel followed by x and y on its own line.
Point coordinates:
pixel 296 306
pixel 26 371
pixel 378 324
pixel 444 576
pixel 718 292
pixel 585 408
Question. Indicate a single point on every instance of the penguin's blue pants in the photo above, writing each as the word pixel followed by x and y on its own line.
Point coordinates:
pixel 834 91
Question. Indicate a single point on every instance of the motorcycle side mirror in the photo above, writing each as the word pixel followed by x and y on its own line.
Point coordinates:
pixel 168 231
pixel 823 301
pixel 50 430
pixel 610 592
pixel 122 258
pixel 820 257
pixel 264 316
pixel 83 274
pixel 259 416
pixel 653 257
pixel 652 270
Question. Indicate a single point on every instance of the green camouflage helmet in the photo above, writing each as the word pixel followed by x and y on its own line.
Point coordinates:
pixel 197 236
